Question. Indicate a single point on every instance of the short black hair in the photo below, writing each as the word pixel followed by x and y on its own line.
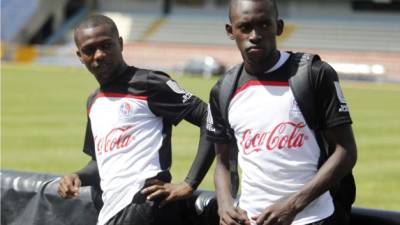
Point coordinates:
pixel 234 2
pixel 94 21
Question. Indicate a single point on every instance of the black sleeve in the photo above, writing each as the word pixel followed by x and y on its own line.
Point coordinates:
pixel 167 99
pixel 88 144
pixel 333 108
pixel 217 129
pixel 89 175
pixel 205 151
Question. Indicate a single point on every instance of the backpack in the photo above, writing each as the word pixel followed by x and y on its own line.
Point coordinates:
pixel 300 82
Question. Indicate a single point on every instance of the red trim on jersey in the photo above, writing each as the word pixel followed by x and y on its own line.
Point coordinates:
pixel 260 83
pixel 119 95
pixel 116 95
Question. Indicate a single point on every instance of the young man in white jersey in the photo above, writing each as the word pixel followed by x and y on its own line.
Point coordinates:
pixel 128 134
pixel 282 182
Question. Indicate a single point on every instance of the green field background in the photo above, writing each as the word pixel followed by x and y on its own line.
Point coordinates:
pixel 43 116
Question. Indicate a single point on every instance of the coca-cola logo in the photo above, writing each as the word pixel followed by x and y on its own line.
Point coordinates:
pixel 285 135
pixel 116 139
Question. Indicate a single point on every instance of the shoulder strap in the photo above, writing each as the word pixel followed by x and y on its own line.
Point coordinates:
pixel 301 85
pixel 228 86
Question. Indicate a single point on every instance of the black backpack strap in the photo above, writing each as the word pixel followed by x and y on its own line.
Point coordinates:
pixel 303 90
pixel 301 84
pixel 228 87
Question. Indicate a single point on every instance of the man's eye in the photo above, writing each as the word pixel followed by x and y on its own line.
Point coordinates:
pixel 266 25
pixel 106 45
pixel 88 51
pixel 245 28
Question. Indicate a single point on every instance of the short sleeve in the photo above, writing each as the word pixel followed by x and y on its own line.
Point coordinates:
pixel 167 99
pixel 88 144
pixel 334 108
pixel 217 129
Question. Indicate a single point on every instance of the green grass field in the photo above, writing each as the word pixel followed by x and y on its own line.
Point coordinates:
pixel 43 120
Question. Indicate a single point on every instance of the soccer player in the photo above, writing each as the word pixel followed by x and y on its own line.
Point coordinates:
pixel 282 182
pixel 128 134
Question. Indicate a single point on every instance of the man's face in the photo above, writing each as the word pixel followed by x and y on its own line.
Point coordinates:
pixel 254 26
pixel 100 51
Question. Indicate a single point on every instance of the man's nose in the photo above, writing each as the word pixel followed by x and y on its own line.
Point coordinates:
pixel 99 54
pixel 255 35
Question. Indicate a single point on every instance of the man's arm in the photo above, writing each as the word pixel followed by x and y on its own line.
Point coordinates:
pixel 200 165
pixel 336 167
pixel 229 214
pixel 69 185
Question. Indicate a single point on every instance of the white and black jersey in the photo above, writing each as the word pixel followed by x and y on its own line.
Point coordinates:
pixel 278 152
pixel 129 132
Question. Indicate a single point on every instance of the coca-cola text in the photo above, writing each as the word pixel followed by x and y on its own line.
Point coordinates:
pixel 285 135
pixel 117 138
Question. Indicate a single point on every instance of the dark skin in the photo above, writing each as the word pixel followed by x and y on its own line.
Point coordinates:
pixel 100 50
pixel 255 26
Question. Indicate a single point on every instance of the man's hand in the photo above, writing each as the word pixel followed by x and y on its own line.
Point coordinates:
pixel 229 215
pixel 281 213
pixel 167 191
pixel 69 185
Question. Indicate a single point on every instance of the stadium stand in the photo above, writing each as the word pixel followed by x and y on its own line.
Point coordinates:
pixel 191 30
pixel 356 43
pixel 341 35
pixel 30 22
pixel 9 9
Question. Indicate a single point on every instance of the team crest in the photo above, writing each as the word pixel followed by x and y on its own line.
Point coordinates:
pixel 126 110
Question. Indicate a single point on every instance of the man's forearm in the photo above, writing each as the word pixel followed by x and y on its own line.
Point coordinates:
pixel 222 178
pixel 202 162
pixel 331 172
pixel 222 182
pixel 89 175
pixel 205 152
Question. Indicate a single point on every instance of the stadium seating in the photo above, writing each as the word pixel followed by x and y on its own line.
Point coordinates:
pixel 192 30
pixel 303 33
pixel 15 15
pixel 340 35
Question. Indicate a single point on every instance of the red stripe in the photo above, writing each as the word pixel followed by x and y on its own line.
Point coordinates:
pixel 116 95
pixel 119 95
pixel 261 83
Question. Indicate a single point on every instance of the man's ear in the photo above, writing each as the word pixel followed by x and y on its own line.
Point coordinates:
pixel 121 43
pixel 280 25
pixel 228 29
pixel 78 53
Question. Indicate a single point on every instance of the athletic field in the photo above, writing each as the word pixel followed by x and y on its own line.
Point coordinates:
pixel 43 113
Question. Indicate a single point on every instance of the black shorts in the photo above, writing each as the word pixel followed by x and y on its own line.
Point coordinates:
pixel 143 212
pixel 326 221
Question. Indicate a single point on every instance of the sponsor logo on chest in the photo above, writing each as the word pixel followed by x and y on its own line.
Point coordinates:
pixel 284 136
pixel 115 139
